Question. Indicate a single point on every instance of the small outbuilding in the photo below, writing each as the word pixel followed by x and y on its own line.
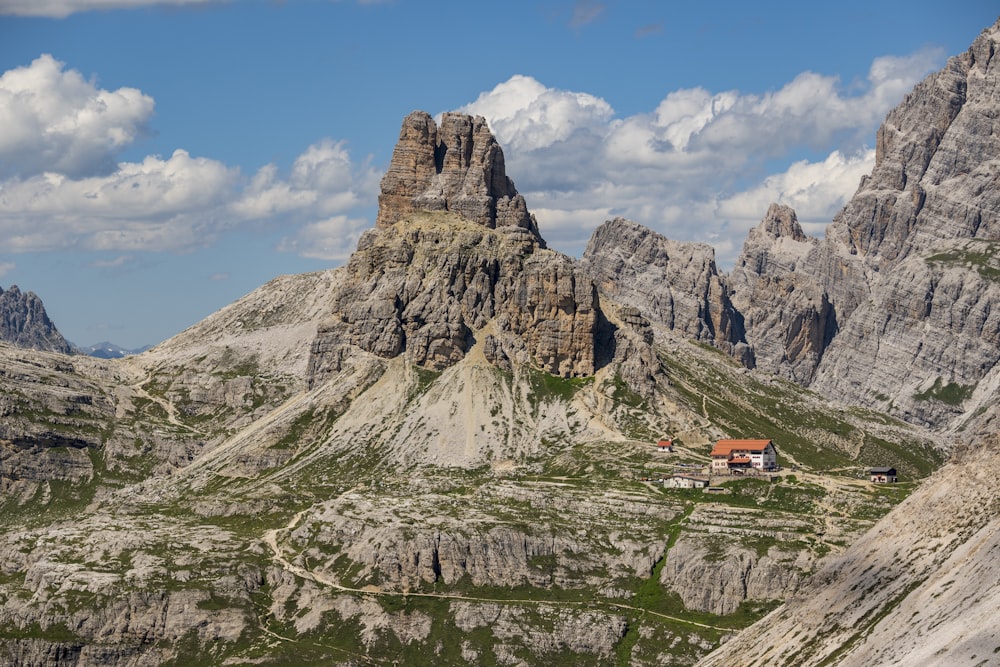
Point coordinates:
pixel 665 446
pixel 682 481
pixel 882 475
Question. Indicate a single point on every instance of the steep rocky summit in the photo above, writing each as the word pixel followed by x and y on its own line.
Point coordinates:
pixel 24 322
pixel 788 315
pixel 456 257
pixel 898 307
pixel 676 284
pixel 457 167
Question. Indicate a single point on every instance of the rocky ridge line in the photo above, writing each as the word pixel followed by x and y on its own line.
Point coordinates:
pixel 24 322
pixel 457 167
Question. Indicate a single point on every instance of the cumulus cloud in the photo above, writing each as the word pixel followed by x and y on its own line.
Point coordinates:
pixel 333 239
pixel 816 190
pixel 175 204
pixel 52 119
pixel 63 8
pixel 316 182
pixel 700 165
pixel 62 186
pixel 154 204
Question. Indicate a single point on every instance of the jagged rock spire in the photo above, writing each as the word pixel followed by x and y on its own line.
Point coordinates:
pixel 24 322
pixel 457 167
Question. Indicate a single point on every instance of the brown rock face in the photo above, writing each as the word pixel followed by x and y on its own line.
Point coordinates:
pixel 424 287
pixel 456 257
pixel 458 167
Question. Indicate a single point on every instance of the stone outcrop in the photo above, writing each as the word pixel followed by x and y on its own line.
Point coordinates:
pixel 457 167
pixel 718 582
pixel 898 307
pixel 394 547
pixel 788 316
pixel 924 227
pixel 672 283
pixel 24 322
pixel 423 287
pixel 455 253
pixel 591 633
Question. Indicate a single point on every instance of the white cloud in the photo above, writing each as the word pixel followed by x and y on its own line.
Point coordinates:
pixel 176 204
pixel 701 166
pixel 525 115
pixel 816 190
pixel 333 239
pixel 63 8
pixel 55 120
pixel 586 11
pixel 154 204
pixel 6 267
pixel 60 134
pixel 322 179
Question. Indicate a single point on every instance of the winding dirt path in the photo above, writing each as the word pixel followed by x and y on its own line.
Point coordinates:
pixel 270 538
pixel 169 408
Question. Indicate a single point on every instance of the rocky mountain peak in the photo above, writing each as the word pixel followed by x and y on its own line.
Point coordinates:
pixel 674 283
pixel 935 170
pixel 912 256
pixel 457 167
pixel 777 243
pixel 781 222
pixel 456 263
pixel 24 322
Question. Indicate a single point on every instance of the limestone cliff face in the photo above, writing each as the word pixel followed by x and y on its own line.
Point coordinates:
pixel 424 286
pixel 923 227
pixel 898 307
pixel 24 322
pixel 935 174
pixel 788 315
pixel 672 283
pixel 720 582
pixel 457 167
pixel 455 257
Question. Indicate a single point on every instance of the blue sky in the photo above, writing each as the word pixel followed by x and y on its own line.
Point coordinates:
pixel 160 159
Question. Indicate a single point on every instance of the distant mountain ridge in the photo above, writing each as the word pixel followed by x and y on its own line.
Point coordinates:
pixel 108 350
pixel 24 322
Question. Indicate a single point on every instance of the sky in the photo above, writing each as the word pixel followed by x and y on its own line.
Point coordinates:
pixel 158 160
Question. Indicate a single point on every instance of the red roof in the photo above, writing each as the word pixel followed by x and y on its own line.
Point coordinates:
pixel 665 443
pixel 727 447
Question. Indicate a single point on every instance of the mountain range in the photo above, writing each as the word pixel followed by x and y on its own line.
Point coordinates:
pixel 444 451
pixel 25 323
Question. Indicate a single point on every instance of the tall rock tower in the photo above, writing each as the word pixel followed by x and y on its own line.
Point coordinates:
pixel 458 167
